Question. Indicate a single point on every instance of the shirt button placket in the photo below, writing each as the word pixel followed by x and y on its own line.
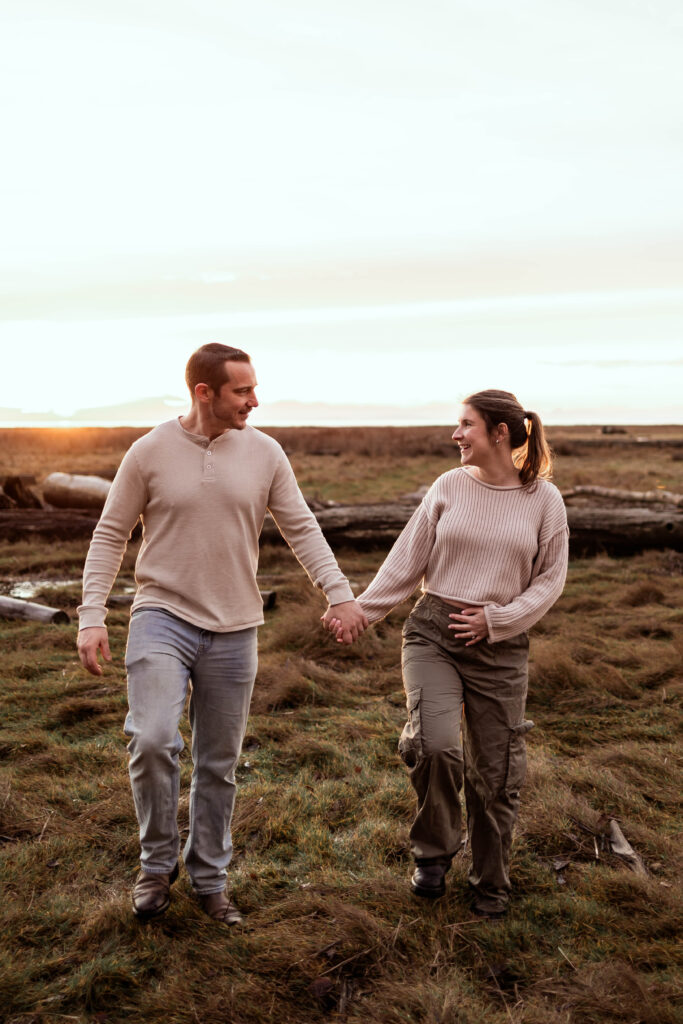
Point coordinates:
pixel 208 464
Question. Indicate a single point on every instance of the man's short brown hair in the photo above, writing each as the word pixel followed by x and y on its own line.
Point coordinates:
pixel 207 365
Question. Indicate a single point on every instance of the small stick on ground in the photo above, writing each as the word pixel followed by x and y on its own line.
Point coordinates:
pixel 566 958
pixel 42 831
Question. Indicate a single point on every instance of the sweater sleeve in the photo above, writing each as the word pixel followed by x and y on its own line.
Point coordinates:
pixel 125 503
pixel 547 582
pixel 404 566
pixel 301 530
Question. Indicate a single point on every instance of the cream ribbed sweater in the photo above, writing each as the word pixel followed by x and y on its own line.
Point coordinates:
pixel 505 548
pixel 202 505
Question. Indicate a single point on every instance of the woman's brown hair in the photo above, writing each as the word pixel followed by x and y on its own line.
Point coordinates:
pixel 531 453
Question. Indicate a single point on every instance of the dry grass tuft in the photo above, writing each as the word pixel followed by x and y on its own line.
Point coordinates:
pixel 554 675
pixel 643 593
pixel 293 682
pixel 78 710
pixel 612 992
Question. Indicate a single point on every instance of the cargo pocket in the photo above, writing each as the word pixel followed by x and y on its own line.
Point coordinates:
pixel 410 742
pixel 516 772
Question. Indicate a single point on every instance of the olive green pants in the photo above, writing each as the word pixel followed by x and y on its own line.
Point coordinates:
pixel 487 685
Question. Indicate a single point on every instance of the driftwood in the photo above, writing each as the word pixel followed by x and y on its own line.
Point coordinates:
pixel 16 488
pixel 620 845
pixel 5 500
pixel 13 608
pixel 24 524
pixel 577 444
pixel 624 531
pixel 621 530
pixel 362 526
pixel 591 530
pixel 646 497
pixel 66 490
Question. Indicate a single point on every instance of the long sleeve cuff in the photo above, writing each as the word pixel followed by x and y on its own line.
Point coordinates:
pixel 91 615
pixel 339 593
pixel 550 572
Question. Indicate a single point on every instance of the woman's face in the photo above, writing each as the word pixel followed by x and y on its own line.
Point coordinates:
pixel 472 437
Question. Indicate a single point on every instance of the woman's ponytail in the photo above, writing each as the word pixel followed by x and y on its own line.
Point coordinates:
pixel 530 450
pixel 537 458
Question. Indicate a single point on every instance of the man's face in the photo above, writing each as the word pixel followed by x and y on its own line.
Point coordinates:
pixel 231 406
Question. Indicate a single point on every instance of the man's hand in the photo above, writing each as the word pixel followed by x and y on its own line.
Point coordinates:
pixel 346 620
pixel 91 640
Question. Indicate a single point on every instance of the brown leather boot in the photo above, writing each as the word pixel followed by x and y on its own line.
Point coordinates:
pixel 151 893
pixel 429 880
pixel 219 908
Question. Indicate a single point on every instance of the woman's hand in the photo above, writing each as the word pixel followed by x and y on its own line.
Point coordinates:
pixel 470 625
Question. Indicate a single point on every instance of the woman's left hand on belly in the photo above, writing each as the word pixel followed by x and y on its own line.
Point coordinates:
pixel 470 625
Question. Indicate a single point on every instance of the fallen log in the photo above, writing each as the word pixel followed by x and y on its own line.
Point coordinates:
pixel 5 500
pixel 577 444
pixel 25 524
pixel 20 493
pixel 14 608
pixel 66 490
pixel 620 531
pixel 362 526
pixel 646 497
pixel 624 531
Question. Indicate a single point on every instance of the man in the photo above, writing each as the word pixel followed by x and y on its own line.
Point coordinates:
pixel 201 485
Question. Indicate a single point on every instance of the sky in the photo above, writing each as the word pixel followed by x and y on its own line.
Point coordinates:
pixel 387 205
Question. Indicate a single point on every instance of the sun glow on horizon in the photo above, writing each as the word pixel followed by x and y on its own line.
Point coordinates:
pixel 582 352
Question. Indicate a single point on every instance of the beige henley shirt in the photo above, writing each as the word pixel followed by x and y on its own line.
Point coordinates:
pixel 202 505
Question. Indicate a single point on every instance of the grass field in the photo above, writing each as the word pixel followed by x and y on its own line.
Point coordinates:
pixel 324 806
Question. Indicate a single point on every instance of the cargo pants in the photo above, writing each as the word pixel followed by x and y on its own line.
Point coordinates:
pixel 486 684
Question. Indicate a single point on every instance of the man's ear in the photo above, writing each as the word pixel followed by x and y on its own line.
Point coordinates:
pixel 202 392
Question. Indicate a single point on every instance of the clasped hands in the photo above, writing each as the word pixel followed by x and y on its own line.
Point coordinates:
pixel 345 620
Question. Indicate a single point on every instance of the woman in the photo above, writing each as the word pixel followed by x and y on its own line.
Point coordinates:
pixel 489 544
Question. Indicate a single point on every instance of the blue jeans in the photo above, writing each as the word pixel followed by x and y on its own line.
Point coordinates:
pixel 165 654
